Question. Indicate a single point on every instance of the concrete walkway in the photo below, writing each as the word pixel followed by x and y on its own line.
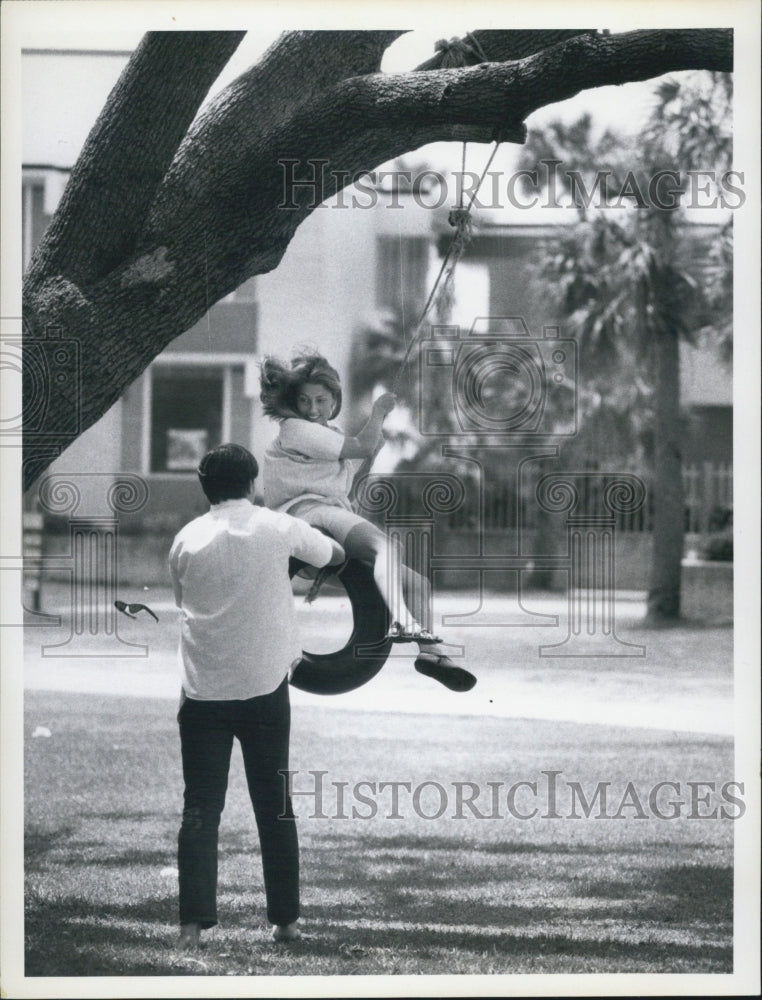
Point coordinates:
pixel 682 681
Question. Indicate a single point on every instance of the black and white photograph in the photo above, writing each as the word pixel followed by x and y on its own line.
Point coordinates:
pixel 380 499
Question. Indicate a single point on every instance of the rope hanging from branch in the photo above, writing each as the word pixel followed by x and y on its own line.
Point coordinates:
pixel 457 52
pixel 460 219
pixel 454 53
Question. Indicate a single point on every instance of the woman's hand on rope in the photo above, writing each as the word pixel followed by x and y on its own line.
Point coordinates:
pixel 366 442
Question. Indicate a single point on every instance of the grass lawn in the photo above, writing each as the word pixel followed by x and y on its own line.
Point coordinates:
pixel 381 895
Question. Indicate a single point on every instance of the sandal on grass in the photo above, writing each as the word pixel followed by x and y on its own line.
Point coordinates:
pixel 397 633
pixel 442 669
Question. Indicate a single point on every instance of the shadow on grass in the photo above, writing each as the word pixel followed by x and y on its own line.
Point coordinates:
pixel 85 853
pixel 412 842
pixel 429 903
pixel 448 898
pixel 39 843
pixel 73 937
pixel 707 888
pixel 124 815
pixel 605 954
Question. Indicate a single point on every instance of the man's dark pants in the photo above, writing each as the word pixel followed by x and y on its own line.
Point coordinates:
pixel 207 730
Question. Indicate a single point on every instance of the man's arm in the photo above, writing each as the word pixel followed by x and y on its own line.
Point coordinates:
pixel 364 444
pixel 176 588
pixel 312 546
pixel 338 554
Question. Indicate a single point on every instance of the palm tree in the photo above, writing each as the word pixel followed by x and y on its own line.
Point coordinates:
pixel 623 283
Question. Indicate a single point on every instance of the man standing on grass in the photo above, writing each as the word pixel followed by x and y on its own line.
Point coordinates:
pixel 238 642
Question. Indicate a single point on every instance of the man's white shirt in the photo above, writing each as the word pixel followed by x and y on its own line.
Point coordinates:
pixel 229 571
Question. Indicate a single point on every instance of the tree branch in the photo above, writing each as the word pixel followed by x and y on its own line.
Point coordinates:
pixel 360 122
pixel 489 93
pixel 297 69
pixel 128 152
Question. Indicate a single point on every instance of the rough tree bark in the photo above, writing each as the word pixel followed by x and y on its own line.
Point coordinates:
pixel 167 212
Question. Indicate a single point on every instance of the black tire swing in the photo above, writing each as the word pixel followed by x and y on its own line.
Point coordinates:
pixel 345 670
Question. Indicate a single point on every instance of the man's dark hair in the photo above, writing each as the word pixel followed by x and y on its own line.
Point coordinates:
pixel 227 472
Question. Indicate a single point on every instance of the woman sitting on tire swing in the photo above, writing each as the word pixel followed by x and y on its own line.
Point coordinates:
pixel 308 472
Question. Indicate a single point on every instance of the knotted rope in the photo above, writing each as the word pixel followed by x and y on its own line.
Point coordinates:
pixel 460 219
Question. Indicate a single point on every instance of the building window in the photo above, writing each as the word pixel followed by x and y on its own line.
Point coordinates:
pixel 403 266
pixel 246 292
pixel 34 221
pixel 188 415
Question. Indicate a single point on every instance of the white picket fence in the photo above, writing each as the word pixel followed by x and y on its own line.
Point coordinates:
pixel 707 494
pixel 708 491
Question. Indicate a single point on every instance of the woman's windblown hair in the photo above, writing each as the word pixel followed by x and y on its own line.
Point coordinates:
pixel 275 388
pixel 280 382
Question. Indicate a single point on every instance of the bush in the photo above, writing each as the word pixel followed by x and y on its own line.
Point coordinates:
pixel 718 547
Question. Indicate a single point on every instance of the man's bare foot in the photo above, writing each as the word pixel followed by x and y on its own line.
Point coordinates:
pixel 286 932
pixel 190 937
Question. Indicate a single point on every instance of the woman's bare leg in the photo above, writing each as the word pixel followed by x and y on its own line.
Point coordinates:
pixel 407 595
pixel 367 543
pixel 406 592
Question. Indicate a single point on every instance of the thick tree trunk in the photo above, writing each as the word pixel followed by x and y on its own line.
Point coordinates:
pixel 666 562
pixel 164 215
